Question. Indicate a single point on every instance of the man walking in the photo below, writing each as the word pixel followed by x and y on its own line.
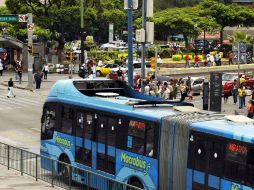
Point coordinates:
pixel 187 61
pixel 37 78
pixel 241 94
pixel 10 89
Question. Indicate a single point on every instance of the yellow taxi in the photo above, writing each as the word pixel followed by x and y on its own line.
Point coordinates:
pixel 105 69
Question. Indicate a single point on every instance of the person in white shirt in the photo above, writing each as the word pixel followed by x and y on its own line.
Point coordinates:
pixel 100 64
pixel 45 71
pixel 1 68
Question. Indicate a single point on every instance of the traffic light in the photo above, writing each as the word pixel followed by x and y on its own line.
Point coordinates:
pixel 30 49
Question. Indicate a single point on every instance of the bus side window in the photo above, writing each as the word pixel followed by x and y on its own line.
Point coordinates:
pixel 48 124
pixel 250 168
pixel 200 154
pixel 101 129
pixel 216 157
pixel 111 137
pixel 80 120
pixel 89 126
pixel 66 120
pixel 136 137
pixel 150 141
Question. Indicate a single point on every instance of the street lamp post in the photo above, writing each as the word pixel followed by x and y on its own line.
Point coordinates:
pixel 30 56
pixel 82 48
pixel 130 43
pixel 143 52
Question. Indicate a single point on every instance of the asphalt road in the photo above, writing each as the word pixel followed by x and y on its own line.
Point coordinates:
pixel 20 118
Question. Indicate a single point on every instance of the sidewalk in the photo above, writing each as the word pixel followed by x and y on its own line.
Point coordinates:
pixel 12 180
pixel 45 85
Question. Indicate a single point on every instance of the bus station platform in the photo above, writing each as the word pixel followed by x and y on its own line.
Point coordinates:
pixel 12 180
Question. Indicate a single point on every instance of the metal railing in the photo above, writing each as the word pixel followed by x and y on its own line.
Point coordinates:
pixel 55 172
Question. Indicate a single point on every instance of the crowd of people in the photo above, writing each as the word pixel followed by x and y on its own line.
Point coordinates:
pixel 166 89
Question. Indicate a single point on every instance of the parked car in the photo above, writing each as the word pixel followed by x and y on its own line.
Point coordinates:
pixel 196 84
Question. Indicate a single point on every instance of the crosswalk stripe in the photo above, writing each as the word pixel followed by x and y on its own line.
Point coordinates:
pixel 18 98
pixel 18 101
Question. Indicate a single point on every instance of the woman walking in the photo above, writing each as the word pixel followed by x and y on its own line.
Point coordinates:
pixel 10 89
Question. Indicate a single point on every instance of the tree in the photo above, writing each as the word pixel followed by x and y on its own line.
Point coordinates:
pixel 240 36
pixel 184 21
pixel 227 15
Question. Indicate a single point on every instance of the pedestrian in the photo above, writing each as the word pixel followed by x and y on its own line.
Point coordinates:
pixel 187 61
pixel 10 89
pixel 217 59
pixel 159 61
pixel 17 68
pixel 1 68
pixel 37 78
pixel 208 60
pixel 212 60
pixel 165 91
pixel 225 97
pixel 196 60
pixel 230 58
pixel 235 91
pixel 241 95
pixel 45 71
pixel 250 109
pixel 147 88
pixel 175 90
pixel 120 73
pixel 183 91
pixel 20 74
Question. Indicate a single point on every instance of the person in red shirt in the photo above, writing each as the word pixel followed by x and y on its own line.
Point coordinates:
pixel 250 109
pixel 196 60
pixel 230 58
pixel 187 61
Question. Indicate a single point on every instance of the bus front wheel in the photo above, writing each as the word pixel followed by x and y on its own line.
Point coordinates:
pixel 135 182
pixel 64 170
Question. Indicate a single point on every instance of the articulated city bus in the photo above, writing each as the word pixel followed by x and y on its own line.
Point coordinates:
pixel 104 126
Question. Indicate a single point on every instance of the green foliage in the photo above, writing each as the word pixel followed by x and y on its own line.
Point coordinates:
pixel 177 57
pixel 240 36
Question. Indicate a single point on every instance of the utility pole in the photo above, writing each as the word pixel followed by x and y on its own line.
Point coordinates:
pixel 82 48
pixel 130 43
pixel 143 51
pixel 30 59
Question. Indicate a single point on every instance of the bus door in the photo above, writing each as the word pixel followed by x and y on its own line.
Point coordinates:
pixel 84 135
pixel 105 138
pixel 206 157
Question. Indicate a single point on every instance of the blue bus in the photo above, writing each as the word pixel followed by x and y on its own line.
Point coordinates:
pixel 104 126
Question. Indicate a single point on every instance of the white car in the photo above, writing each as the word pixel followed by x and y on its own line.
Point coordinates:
pixel 123 68
pixel 196 84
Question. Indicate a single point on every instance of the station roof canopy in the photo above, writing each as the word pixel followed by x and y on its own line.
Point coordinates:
pixel 11 42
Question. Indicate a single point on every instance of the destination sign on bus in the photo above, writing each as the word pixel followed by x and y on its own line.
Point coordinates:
pixel 137 125
pixel 236 148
